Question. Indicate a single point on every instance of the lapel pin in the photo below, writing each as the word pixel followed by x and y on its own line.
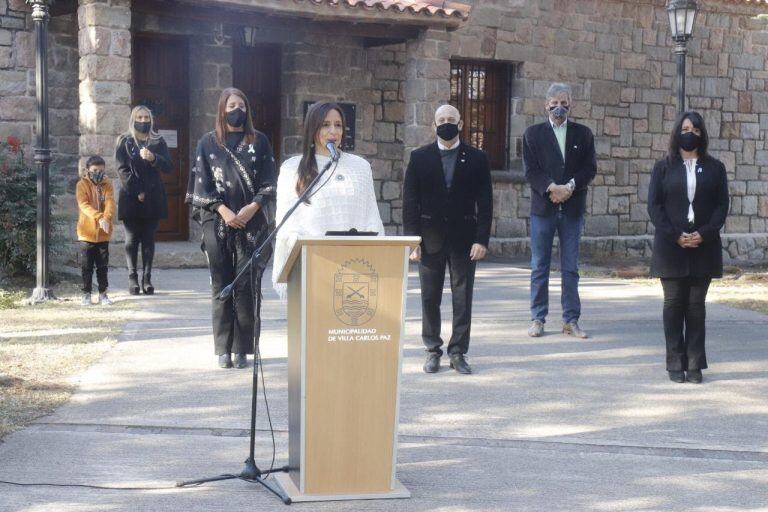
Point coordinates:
pixel 575 147
pixel 250 148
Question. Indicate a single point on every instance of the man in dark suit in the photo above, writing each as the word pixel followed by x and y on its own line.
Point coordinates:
pixel 560 163
pixel 448 201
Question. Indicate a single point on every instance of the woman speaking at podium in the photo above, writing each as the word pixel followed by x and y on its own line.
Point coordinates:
pixel 341 200
pixel 232 189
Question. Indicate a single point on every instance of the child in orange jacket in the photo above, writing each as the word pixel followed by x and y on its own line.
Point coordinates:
pixel 96 202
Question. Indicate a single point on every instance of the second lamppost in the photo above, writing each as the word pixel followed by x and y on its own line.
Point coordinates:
pixel 682 16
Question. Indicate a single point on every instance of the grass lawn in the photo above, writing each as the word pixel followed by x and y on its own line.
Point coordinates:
pixel 44 347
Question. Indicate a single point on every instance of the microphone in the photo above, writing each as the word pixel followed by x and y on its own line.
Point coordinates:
pixel 332 150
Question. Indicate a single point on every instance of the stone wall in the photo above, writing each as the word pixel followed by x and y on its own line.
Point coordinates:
pixel 618 57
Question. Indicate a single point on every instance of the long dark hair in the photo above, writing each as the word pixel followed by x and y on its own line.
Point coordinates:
pixel 674 138
pixel 312 124
pixel 221 117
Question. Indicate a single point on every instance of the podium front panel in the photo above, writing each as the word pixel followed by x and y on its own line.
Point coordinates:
pixel 353 311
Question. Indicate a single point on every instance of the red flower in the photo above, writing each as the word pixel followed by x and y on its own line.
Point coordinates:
pixel 14 143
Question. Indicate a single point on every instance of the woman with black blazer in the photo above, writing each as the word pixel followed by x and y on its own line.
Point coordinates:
pixel 687 204
pixel 141 155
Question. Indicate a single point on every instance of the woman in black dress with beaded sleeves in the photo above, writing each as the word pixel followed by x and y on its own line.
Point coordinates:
pixel 232 191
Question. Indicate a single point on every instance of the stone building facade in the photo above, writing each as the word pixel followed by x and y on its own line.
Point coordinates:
pixel 395 65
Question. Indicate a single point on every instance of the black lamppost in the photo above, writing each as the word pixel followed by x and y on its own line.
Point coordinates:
pixel 40 16
pixel 682 16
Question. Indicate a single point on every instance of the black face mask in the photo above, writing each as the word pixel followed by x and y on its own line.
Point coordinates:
pixel 689 141
pixel 236 118
pixel 560 111
pixel 96 176
pixel 142 127
pixel 448 131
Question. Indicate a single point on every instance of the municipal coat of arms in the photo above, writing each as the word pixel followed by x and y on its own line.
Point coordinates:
pixel 355 292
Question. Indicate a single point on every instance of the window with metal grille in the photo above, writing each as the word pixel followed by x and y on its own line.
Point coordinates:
pixel 480 90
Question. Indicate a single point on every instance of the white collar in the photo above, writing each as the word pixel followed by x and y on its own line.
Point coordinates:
pixel 442 146
pixel 555 127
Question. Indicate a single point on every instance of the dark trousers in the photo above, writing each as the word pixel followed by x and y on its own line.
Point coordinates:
pixel 684 318
pixel 94 255
pixel 235 323
pixel 432 277
pixel 140 232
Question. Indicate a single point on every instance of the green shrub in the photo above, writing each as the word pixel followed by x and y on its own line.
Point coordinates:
pixel 18 211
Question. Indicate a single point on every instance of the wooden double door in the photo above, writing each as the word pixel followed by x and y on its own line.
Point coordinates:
pixel 161 82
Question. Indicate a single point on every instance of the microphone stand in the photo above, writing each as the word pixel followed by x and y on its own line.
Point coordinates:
pixel 251 472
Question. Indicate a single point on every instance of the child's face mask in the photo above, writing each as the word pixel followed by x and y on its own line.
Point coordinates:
pixel 96 175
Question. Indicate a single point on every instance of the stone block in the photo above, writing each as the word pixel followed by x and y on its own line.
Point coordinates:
pixel 6 58
pixel 747 172
pixel 12 83
pixel 601 225
pixel 121 43
pixel 6 37
pixel 618 204
pixel 96 91
pixel 104 15
pixel 384 132
pixel 62 121
pixel 394 111
pixel 737 224
pixel 612 126
pixel 390 190
pixel 749 205
pixel 13 22
pixel 102 119
pixel 103 145
pixel 24 50
pixel 599 200
pixel 18 108
pixel 110 68
pixel 385 210
pixel 750 130
pixel 638 110
pixel 94 40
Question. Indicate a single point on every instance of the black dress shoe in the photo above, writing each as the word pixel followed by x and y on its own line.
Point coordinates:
pixel 225 361
pixel 676 375
pixel 241 361
pixel 133 284
pixel 432 364
pixel 460 364
pixel 694 376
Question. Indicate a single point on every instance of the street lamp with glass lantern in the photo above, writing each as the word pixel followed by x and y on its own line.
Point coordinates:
pixel 682 16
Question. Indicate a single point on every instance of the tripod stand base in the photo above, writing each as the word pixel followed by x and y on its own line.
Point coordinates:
pixel 293 493
pixel 249 474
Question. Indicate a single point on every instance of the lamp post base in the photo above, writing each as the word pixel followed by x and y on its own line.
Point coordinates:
pixel 40 295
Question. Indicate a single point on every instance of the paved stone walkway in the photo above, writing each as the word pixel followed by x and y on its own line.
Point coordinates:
pixel 545 424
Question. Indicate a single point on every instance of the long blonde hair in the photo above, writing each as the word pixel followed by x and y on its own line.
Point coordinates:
pixel 153 135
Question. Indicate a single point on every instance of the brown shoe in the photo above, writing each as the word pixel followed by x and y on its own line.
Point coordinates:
pixel 536 329
pixel 573 329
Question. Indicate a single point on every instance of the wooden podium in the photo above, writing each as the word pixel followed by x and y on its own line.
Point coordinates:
pixel 346 312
